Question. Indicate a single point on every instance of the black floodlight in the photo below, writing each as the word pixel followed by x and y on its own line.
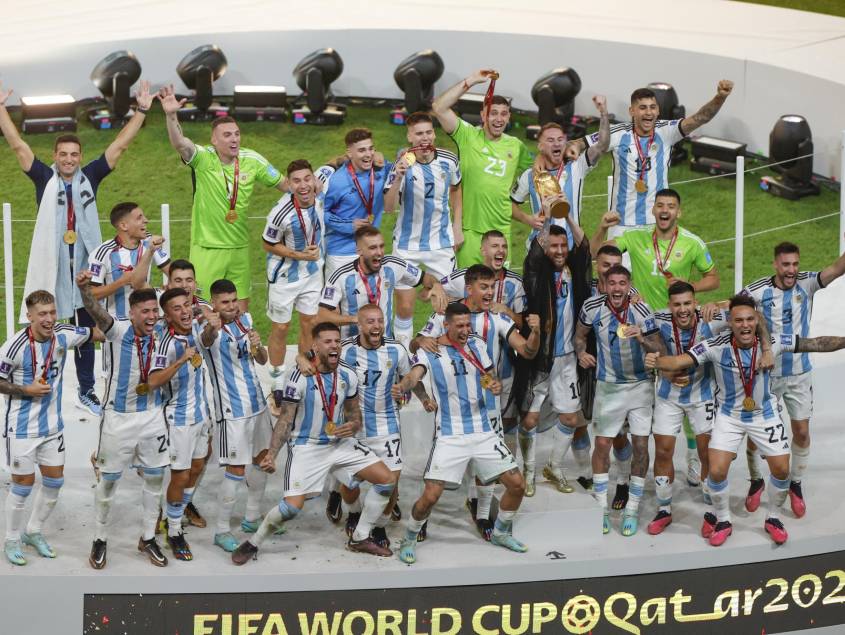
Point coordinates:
pixel 259 103
pixel 314 75
pixel 555 93
pixel 715 156
pixel 49 113
pixel 198 70
pixel 790 139
pixel 667 102
pixel 114 76
pixel 415 76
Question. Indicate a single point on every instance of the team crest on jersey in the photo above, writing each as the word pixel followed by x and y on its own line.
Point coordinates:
pixel 510 155
pixel 244 177
pixel 798 298
pixel 679 255
pixel 389 363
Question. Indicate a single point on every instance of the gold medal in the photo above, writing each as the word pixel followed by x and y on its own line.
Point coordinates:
pixel 748 404
pixel 486 381
pixel 331 426
pixel 70 237
pixel 681 381
pixel 620 332
pixel 640 186
pixel 371 218
pixel 196 360
pixel 142 389
pixel 231 216
pixel 493 75
pixel 410 158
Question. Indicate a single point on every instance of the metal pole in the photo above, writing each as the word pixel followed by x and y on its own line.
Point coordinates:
pixel 739 228
pixel 609 191
pixel 7 270
pixel 842 194
pixel 165 231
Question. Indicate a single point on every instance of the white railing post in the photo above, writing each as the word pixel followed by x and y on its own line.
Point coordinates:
pixel 739 228
pixel 609 191
pixel 842 194
pixel 8 257
pixel 165 232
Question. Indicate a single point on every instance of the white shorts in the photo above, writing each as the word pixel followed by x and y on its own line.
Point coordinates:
pixel 616 402
pixel 303 295
pixel 485 452
pixel 796 393
pixel 240 440
pixel 769 435
pixel 333 263
pixel 22 455
pixel 507 411
pixel 438 262
pixel 669 417
pixel 309 464
pixel 188 443
pixel 561 386
pixel 132 438
pixel 388 448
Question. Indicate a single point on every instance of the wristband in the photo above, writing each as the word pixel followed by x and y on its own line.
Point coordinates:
pixel 143 110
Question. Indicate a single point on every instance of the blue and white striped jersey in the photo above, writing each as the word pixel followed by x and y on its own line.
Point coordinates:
pixel 184 395
pixel 462 405
pixel 719 352
pixel 565 310
pixel 511 293
pixel 234 383
pixel 635 208
pixel 620 360
pixel 111 261
pixel 700 387
pixel 424 222
pixel 28 417
pixel 345 289
pixel 787 311
pixel 377 370
pixel 309 422
pixel 571 179
pixel 124 352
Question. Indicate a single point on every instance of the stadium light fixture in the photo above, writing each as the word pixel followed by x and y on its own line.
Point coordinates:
pixel 415 76
pixel 555 93
pixel 790 139
pixel 114 76
pixel 259 103
pixel 314 75
pixel 667 102
pixel 715 156
pixel 48 113
pixel 198 70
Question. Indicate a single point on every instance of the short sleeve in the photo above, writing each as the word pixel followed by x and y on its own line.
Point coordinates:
pixel 525 160
pixel 97 268
pixel 585 318
pixel 80 335
pixel 623 242
pixel 404 365
pixel 201 158
pixel 96 171
pixel 520 300
pixel 293 386
pixel 455 174
pixel 7 363
pixel 411 275
pixel 505 325
pixel 671 133
pixel 453 284
pixel 324 173
pixel 481 351
pixel 811 283
pixel 649 324
pixel 420 358
pixel 703 259
pixel 118 329
pixel 273 230
pixel 784 343
pixel 267 174
pixel 165 355
pixel 434 327
pixel 519 192
pixel 351 384
pixel 331 295
pixel 161 257
pixel 702 352
pixel 462 133
pixel 391 177
pixel 39 173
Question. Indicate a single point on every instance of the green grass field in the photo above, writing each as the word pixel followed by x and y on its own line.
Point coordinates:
pixel 832 7
pixel 151 173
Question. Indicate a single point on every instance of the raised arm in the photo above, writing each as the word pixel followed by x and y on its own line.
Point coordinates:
pixel 210 330
pixel 832 271
pixel 171 105
pixel 708 282
pixel 608 220
pixel 22 151
pixel 708 110
pixel 527 347
pixel 456 204
pixel 821 344
pixel 442 106
pixel 101 317
pixel 595 151
pixel 391 196
pixel 144 101
pixel 436 294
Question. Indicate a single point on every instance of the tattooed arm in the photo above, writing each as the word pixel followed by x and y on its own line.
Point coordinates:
pixel 101 317
pixel 281 432
pixel 821 344
pixel 595 151
pixel 708 110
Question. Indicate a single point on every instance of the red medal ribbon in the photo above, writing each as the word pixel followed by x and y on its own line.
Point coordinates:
pixel 747 384
pixel 330 402
pixel 660 260
pixel 140 248
pixel 240 326
pixel 640 154
pixel 425 147
pixel 488 96
pixel 500 290
pixel 144 365
pixel 679 350
pixel 313 239
pixel 368 203
pixel 486 328
pixel 559 285
pixel 372 298
pixel 622 317
pixel 471 358
pixel 71 213
pixel 233 193
pixel 47 360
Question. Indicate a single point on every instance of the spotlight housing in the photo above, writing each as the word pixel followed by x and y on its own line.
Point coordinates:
pixel 259 103
pixel 314 75
pixel 789 139
pixel 48 113
pixel 555 93
pixel 114 76
pixel 415 76
pixel 198 70
pixel 667 102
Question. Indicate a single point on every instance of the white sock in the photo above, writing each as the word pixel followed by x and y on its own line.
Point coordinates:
pixel 103 497
pixel 403 329
pixel 351 508
pixel 798 465
pixel 600 490
pixel 777 491
pixel 226 501
pixel 374 503
pixel 485 500
pixel 413 527
pixel 581 452
pixel 527 445
pixel 664 493
pixel 151 501
pixel 623 463
pixel 15 509
pixel 256 483
pixel 472 491
pixel 635 494
pixel 504 522
pixel 277 377
pixel 563 435
pixel 720 494
pixel 174 512
pixel 45 501
pixel 753 464
pixel 274 519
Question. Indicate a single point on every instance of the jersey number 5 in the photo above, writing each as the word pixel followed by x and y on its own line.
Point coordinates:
pixel 495 166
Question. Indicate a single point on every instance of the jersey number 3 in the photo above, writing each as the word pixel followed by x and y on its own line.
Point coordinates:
pixel 495 166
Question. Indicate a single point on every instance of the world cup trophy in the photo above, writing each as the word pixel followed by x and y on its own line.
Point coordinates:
pixel 547 186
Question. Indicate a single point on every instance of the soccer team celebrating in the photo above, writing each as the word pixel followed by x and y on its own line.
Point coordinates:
pixel 601 337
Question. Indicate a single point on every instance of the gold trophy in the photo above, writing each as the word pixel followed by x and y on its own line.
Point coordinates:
pixel 548 186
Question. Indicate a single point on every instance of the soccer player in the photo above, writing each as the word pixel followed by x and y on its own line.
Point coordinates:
pixel 372 279
pixel 640 174
pixel 463 379
pixel 354 198
pixel 747 405
pixel 181 377
pixel 426 192
pixel 67 229
pixel 501 337
pixel 319 419
pixel 224 176
pixel 132 430
pixel 181 274
pixel 569 173
pixel 31 365
pixel 231 348
pixel 125 260
pixel 624 332
pixel 490 161
pixel 786 302
pixel 293 240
